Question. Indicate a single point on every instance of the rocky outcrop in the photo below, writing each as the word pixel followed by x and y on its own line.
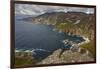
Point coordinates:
pixel 67 57
pixel 73 55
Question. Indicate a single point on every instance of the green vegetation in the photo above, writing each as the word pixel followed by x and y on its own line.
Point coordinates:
pixel 90 47
pixel 24 60
pixel 65 22
pixel 75 23
pixel 63 25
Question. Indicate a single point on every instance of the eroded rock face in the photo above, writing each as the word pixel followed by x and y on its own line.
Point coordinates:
pixel 76 23
pixel 67 57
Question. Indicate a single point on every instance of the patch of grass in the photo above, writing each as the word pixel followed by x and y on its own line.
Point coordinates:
pixel 63 25
pixel 22 61
pixel 90 47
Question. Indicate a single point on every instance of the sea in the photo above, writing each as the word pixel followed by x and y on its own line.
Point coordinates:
pixel 39 38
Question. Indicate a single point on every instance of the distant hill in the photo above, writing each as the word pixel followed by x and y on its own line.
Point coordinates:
pixel 77 23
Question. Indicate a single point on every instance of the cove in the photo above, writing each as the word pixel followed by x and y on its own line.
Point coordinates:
pixel 39 37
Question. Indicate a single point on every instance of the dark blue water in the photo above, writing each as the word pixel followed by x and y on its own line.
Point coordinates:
pixel 30 36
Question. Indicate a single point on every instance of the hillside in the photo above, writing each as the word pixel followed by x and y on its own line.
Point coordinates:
pixel 76 23
pixel 72 24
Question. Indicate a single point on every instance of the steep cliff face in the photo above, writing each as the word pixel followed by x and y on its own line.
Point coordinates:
pixel 76 23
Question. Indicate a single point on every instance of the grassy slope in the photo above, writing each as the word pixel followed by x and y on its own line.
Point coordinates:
pixel 25 60
pixel 91 47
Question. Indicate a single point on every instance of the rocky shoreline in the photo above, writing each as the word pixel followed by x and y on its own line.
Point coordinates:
pixel 74 54
pixel 73 44
pixel 78 24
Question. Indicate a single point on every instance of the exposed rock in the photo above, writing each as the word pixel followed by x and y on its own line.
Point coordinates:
pixel 53 58
pixel 77 23
pixel 67 57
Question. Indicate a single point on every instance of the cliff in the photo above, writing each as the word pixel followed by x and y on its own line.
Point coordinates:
pixel 72 23
pixel 76 23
